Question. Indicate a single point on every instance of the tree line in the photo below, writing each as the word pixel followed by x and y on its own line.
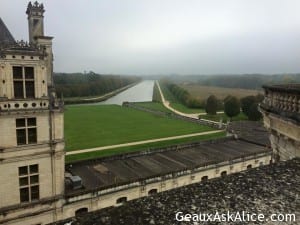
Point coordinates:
pixel 244 81
pixel 231 105
pixel 89 84
pixel 183 96
pixel 251 81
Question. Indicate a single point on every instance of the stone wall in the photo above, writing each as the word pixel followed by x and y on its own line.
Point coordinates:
pixel 40 74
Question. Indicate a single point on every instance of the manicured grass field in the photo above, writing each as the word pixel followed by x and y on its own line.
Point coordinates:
pixel 153 105
pixel 224 117
pixel 102 125
pixel 115 151
pixel 184 109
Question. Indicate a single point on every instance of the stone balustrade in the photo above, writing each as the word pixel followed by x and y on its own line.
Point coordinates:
pixel 281 113
pixel 283 100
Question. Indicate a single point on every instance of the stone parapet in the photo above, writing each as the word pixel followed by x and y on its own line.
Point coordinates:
pixel 281 112
pixel 283 100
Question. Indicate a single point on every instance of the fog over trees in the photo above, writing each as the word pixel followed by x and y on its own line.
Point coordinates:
pixel 89 84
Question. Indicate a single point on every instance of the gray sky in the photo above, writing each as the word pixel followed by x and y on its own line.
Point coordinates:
pixel 167 36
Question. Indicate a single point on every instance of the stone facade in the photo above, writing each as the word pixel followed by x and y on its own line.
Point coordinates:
pixel 31 128
pixel 281 112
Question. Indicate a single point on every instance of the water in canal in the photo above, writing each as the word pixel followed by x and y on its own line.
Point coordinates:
pixel 142 92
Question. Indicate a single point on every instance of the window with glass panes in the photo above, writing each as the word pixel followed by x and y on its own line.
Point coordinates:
pixel 23 78
pixel 26 131
pixel 29 183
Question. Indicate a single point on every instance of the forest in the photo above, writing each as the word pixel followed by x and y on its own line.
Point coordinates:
pixel 245 81
pixel 89 84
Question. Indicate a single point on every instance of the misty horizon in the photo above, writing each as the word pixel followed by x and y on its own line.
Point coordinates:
pixel 171 37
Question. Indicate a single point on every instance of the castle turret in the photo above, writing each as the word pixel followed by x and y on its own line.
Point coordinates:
pixel 35 14
pixel 35 18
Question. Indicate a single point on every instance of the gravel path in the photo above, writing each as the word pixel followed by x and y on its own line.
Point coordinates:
pixel 141 142
pixel 190 115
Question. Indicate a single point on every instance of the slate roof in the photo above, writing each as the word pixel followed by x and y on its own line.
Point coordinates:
pixel 103 173
pixel 266 190
pixel 5 35
pixel 253 131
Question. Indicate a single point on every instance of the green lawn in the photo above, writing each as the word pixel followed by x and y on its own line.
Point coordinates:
pixel 217 117
pixel 153 105
pixel 102 125
pixel 109 152
pixel 156 97
pixel 184 109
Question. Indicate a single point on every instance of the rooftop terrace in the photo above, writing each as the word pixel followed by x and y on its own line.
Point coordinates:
pixel 118 170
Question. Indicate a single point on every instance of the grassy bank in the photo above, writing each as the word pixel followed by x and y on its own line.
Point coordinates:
pixel 102 125
pixel 182 108
pixel 156 97
pixel 153 105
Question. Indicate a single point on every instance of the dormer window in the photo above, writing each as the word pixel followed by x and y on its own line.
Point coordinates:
pixel 23 82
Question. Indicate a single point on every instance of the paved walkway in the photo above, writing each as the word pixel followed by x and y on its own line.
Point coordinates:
pixel 194 116
pixel 141 142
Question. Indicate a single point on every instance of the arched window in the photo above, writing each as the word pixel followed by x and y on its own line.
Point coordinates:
pixel 224 173
pixel 204 178
pixel 121 200
pixel 152 191
pixel 81 211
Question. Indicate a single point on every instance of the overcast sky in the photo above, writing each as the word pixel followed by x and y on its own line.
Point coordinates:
pixel 167 36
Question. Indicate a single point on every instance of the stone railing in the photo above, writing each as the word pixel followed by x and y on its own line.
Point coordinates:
pixel 283 100
pixel 21 45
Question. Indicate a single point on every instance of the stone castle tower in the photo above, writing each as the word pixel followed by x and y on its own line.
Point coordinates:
pixel 31 127
pixel 35 21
